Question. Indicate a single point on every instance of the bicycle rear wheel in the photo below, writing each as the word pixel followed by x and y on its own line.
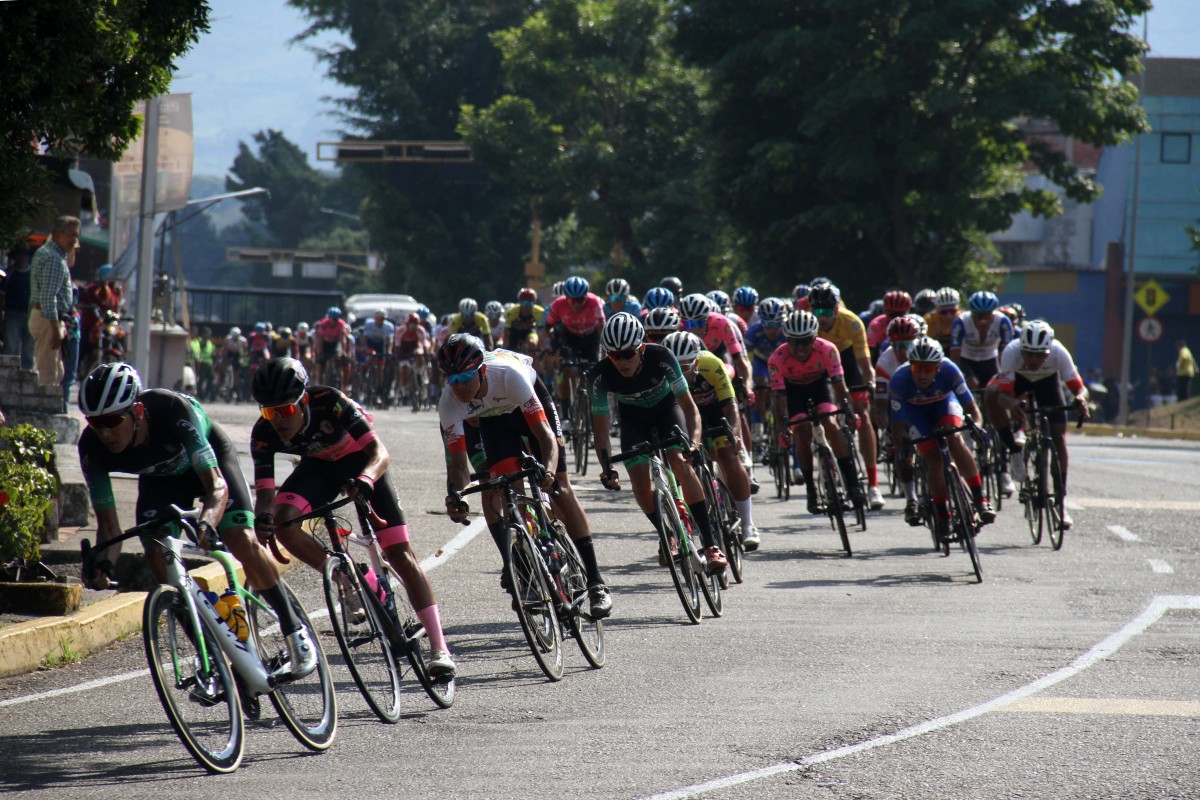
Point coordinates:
pixel 363 641
pixel 687 582
pixel 962 517
pixel 417 646
pixel 572 582
pixel 533 603
pixel 1054 497
pixel 732 529
pixel 307 706
pixel 833 498
pixel 197 693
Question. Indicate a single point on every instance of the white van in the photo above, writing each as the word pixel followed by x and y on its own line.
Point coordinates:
pixel 361 307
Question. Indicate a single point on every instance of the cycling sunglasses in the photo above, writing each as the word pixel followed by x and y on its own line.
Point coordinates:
pixel 925 367
pixel 613 298
pixel 462 377
pixel 902 344
pixel 773 326
pixel 798 341
pixel 824 312
pixel 280 412
pixel 107 421
pixel 695 324
pixel 622 355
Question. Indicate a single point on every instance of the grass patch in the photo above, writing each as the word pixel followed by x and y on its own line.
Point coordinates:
pixel 67 654
pixel 132 630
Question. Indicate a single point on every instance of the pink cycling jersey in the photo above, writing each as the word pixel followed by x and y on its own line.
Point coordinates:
pixel 877 330
pixel 720 331
pixel 785 368
pixel 578 318
pixel 332 330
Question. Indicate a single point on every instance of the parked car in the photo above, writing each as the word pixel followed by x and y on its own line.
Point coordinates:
pixel 398 306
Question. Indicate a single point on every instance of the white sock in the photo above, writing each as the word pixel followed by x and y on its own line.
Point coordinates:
pixel 744 513
pixel 910 491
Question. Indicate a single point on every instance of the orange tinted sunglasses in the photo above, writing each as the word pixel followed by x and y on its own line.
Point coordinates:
pixel 282 412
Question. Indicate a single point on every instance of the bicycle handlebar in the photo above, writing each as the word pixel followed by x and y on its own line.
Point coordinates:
pixel 943 433
pixel 655 444
pixel 155 528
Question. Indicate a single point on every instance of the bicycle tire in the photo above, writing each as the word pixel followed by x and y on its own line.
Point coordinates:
pixel 987 471
pixel 203 705
pixel 1054 497
pixel 833 499
pixel 582 428
pixel 572 582
pixel 308 707
pixel 962 516
pixel 711 584
pixel 414 642
pixel 733 529
pixel 364 645
pixel 687 584
pixel 533 603
pixel 414 389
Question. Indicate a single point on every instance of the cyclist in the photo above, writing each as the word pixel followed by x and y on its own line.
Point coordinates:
pixel 179 455
pixel 332 334
pixel 338 449
pixel 522 320
pixel 896 303
pixel 941 319
pixel 929 392
pixel 1035 362
pixel 410 346
pixel 845 330
pixel 654 398
pixel 498 400
pixel 745 304
pixel 469 320
pixel 282 343
pixel 762 339
pixel 660 323
pixel 709 382
pixel 924 302
pixel 303 351
pixel 901 333
pixel 620 298
pixel 800 296
pixel 232 351
pixel 574 321
pixel 495 316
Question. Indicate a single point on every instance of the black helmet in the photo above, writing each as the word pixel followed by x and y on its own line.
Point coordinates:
pixel 674 284
pixel 462 352
pixel 822 296
pixel 279 381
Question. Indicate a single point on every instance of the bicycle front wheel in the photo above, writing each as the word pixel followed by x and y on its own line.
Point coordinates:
pixel 1054 497
pixel 732 528
pixel 362 639
pixel 687 582
pixel 533 604
pixel 196 689
pixel 581 430
pixel 572 582
pixel 307 706
pixel 833 499
pixel 417 645
pixel 963 519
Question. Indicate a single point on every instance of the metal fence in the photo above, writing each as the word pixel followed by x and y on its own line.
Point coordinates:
pixel 220 308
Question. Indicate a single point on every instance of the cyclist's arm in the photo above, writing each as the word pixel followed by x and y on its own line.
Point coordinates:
pixel 692 415
pixel 216 495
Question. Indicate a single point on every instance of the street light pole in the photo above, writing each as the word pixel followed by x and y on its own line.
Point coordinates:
pixel 1126 388
pixel 357 219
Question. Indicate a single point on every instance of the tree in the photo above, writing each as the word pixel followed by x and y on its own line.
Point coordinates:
pixel 70 75
pixel 886 134
pixel 603 122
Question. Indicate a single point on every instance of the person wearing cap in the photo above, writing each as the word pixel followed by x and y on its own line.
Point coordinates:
pixel 97 297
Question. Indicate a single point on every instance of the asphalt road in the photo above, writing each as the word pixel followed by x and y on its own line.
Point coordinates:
pixel 886 675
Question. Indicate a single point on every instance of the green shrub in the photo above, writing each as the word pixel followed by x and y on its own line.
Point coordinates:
pixel 27 490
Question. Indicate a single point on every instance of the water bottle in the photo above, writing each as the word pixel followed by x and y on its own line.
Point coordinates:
pixel 373 582
pixel 229 608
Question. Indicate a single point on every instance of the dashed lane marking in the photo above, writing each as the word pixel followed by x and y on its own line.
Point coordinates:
pixel 1160 566
pixel 1151 505
pixel 1122 532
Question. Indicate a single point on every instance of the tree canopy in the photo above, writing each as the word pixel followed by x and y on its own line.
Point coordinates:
pixel 70 75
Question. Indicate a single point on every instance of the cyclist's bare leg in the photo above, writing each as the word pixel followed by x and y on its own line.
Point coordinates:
pixel 1058 432
pixel 963 457
pixel 733 472
pixel 416 582
pixel 261 570
pixel 297 542
pixel 866 437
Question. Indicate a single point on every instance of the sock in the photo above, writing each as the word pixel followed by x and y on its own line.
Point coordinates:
pixel 500 536
pixel 283 609
pixel 910 491
pixel 1006 436
pixel 941 506
pixel 849 472
pixel 699 513
pixel 975 484
pixel 587 553
pixel 655 518
pixel 432 621
pixel 872 474
pixel 745 514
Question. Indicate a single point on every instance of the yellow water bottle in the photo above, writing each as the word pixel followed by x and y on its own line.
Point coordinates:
pixel 229 607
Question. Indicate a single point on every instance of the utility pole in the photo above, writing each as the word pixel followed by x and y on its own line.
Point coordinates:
pixel 1127 329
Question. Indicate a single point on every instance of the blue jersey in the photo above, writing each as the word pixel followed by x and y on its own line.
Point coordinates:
pixel 908 401
pixel 632 306
pixel 759 345
pixel 379 333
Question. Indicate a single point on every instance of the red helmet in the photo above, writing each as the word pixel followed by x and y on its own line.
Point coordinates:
pixel 527 295
pixel 897 302
pixel 903 329
pixel 413 318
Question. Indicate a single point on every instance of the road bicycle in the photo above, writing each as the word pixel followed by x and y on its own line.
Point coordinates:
pixel 191 650
pixel 722 510
pixel 778 458
pixel 832 495
pixel 373 620
pixel 575 372
pixel 677 549
pixel 1043 492
pixel 964 521
pixel 545 572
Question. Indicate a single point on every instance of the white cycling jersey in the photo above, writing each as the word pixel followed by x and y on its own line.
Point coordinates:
pixel 979 345
pixel 1058 362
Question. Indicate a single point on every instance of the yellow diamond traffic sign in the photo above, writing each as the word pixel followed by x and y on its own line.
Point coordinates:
pixel 1151 297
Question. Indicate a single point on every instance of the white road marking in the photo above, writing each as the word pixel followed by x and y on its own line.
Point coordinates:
pixel 1071 505
pixel 1160 566
pixel 1157 607
pixel 1130 707
pixel 1153 505
pixel 430 563
pixel 1124 533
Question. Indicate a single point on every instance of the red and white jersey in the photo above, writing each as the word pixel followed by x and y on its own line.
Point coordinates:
pixel 889 361
pixel 578 318
pixel 331 330
pixel 510 379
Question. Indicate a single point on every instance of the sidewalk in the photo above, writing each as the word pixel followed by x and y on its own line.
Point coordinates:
pixel 103 617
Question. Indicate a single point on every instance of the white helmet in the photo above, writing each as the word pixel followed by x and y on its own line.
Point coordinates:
pixel 925 351
pixel 493 308
pixel 302 326
pixel 695 307
pixel 617 287
pixel 235 331
pixel 108 389
pixel 946 297
pixel 800 325
pixel 1036 337
pixel 685 345
pixel 622 331
pixel 467 307
pixel 557 289
pixel 662 320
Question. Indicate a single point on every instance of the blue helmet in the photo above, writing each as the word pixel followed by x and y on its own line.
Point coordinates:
pixel 983 302
pixel 333 312
pixel 720 299
pixel 745 296
pixel 659 297
pixel 575 287
pixel 800 291
pixel 104 271
pixel 771 311
pixel 260 327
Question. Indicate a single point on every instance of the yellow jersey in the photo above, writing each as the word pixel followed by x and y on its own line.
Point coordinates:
pixel 848 332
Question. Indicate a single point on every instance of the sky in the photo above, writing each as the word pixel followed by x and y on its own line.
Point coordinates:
pixel 244 76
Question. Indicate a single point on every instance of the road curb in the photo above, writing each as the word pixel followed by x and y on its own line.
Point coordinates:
pixel 25 646
pixel 1145 433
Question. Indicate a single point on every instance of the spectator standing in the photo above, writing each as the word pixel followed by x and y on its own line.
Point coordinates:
pixel 50 298
pixel 17 339
pixel 201 350
pixel 70 345
pixel 1185 371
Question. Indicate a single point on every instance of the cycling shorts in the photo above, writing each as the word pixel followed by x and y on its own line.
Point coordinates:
pixel 853 376
pixel 800 396
pixel 329 350
pixel 584 347
pixel 1048 391
pixel 983 371
pixel 315 482
pixel 638 423
pixel 156 494
pixel 711 416
pixel 923 419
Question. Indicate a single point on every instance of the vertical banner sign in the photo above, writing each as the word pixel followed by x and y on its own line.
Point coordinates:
pixel 174 179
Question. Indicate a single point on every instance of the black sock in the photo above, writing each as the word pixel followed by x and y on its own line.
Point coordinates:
pixel 699 512
pixel 587 553
pixel 849 472
pixel 656 519
pixel 499 532
pixel 288 624
pixel 1006 436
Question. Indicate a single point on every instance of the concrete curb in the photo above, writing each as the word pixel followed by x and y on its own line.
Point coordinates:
pixel 25 646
